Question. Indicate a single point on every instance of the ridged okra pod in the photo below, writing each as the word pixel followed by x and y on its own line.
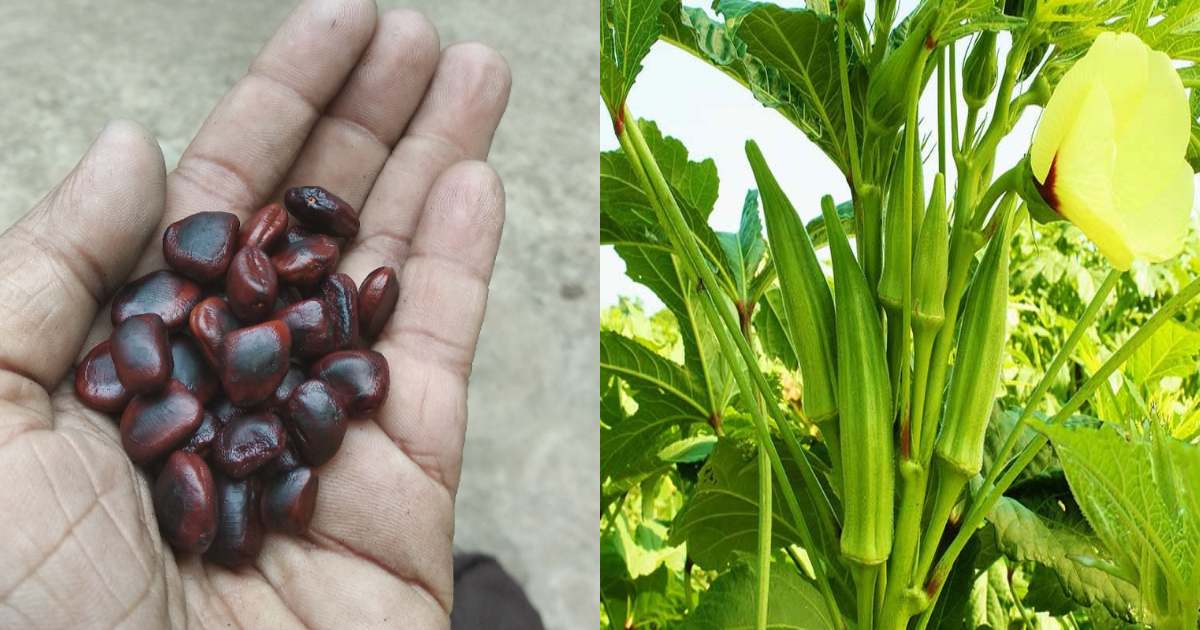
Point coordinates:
pixel 930 262
pixel 864 405
pixel 807 302
pixel 976 374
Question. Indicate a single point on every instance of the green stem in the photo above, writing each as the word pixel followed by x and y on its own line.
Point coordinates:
pixel 1081 327
pixel 951 52
pixel 847 106
pixel 865 576
pixel 764 536
pixel 950 484
pixel 941 111
pixel 727 330
pixel 981 507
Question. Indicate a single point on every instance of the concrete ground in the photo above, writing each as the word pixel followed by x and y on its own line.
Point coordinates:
pixel 531 465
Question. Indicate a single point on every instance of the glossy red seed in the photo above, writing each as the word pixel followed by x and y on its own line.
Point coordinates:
pixel 264 228
pixel 192 370
pixel 202 438
pixel 288 501
pixel 224 410
pixel 154 425
pixel 248 442
pixel 239 531
pixel 290 382
pixel 360 378
pixel 251 284
pixel 316 421
pixel 322 211
pixel 341 294
pixel 141 352
pixel 185 502
pixel 209 322
pixel 253 362
pixel 96 382
pixel 377 300
pixel 200 246
pixel 305 262
pixel 164 293
pixel 311 325
pixel 285 461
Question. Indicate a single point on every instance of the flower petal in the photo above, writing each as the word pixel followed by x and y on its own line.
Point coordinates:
pixel 1084 168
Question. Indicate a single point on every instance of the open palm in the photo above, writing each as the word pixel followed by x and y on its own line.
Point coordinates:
pixel 371 108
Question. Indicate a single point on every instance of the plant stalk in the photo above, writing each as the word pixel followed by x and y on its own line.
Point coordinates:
pixel 982 506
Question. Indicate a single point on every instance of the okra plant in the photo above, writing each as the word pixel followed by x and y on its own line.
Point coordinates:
pixel 866 420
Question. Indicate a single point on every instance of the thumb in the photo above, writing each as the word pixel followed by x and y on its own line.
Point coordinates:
pixel 63 259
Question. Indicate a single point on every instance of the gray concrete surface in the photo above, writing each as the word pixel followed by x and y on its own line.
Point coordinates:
pixel 531 466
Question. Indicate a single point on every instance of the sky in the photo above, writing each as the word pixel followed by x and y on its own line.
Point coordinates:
pixel 714 116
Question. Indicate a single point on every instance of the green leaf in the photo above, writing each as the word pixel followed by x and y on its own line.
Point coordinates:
pixel 629 222
pixel 820 234
pixel 1139 495
pixel 744 249
pixel 689 450
pixel 1171 351
pixel 729 604
pixel 720 520
pixel 666 398
pixel 772 331
pixel 991 598
pixel 648 374
pixel 1026 537
pixel 628 28
pixel 802 46
pixel 971 16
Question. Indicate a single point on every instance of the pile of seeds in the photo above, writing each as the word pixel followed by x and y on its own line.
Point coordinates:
pixel 234 372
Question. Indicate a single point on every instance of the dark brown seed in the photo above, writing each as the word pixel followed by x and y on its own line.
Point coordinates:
pixel 360 378
pixel 96 382
pixel 317 421
pixel 247 443
pixel 264 229
pixel 290 382
pixel 225 411
pixel 377 300
pixel 200 246
pixel 305 262
pixel 296 233
pixel 154 425
pixel 287 460
pixel 341 294
pixel 288 501
pixel 192 369
pixel 251 284
pixel 311 325
pixel 185 502
pixel 164 293
pixel 253 362
pixel 239 531
pixel 141 351
pixel 209 322
pixel 203 437
pixel 322 211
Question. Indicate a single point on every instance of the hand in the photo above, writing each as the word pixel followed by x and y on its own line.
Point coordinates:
pixel 372 109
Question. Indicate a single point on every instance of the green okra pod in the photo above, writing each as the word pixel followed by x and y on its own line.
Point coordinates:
pixel 930 264
pixel 976 375
pixel 807 302
pixel 864 405
pixel 980 70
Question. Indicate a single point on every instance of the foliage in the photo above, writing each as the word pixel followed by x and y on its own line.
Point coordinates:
pixel 1098 528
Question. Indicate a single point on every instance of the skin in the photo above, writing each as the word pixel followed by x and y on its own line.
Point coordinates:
pixel 367 105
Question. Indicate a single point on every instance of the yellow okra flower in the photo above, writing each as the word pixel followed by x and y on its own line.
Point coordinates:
pixel 1108 153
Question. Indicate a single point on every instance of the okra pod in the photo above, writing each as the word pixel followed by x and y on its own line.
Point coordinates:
pixel 931 260
pixel 807 302
pixel 976 374
pixel 864 406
